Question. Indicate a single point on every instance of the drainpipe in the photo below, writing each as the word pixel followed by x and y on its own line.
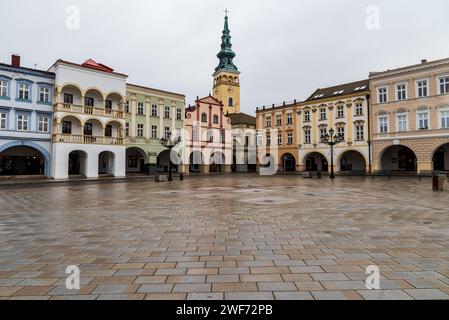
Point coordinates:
pixel 370 165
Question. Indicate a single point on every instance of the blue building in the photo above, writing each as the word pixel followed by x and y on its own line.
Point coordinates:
pixel 25 120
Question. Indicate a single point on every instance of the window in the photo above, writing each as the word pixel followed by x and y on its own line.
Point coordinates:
pixel 22 122
pixel 44 123
pixel 204 118
pixel 359 109
pixel 223 136
pixel 88 129
pixel 359 132
pixel 445 119
pixel 268 120
pixel 24 91
pixel 127 106
pixel 66 127
pixel 401 92
pixel 444 85
pixel 279 120
pixel 68 98
pixel 127 129
pixel 3 116
pixel 290 138
pixel 3 88
pixel 178 133
pixel 154 110
pixel 382 95
pixel 140 108
pixel 154 132
pixel 279 139
pixel 108 104
pixel 341 132
pixel 210 136
pixel 215 119
pixel 230 102
pixel 196 134
pixel 323 114
pixel 402 122
pixel 140 130
pixel 323 133
pixel 383 124
pixel 167 112
pixel 422 88
pixel 423 120
pixel 108 131
pixel 307 116
pixel 307 136
pixel 289 119
pixel 179 114
pixel 340 112
pixel 44 94
pixel 89 102
pixel 167 133
pixel 268 140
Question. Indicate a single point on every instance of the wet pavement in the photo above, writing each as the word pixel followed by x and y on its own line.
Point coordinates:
pixel 226 237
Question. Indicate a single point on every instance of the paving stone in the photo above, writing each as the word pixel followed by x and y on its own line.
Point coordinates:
pixel 205 296
pixel 384 295
pixel 427 294
pixel 293 295
pixel 155 288
pixel 276 286
pixel 192 287
pixel 249 296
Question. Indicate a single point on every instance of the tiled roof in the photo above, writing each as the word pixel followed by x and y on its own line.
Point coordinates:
pixel 242 118
pixel 340 90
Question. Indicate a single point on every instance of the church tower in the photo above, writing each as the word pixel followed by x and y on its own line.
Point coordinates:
pixel 226 77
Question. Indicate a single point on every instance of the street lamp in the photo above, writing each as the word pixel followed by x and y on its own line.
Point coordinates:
pixel 332 140
pixel 170 143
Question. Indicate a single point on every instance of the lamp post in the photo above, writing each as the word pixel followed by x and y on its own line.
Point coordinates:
pixel 170 143
pixel 332 140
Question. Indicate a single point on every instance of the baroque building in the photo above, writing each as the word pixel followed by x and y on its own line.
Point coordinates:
pixel 410 115
pixel 89 120
pixel 151 114
pixel 25 120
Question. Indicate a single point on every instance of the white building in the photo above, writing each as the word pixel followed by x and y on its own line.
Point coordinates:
pixel 89 120
pixel 25 120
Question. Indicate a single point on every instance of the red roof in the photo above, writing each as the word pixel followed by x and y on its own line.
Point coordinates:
pixel 90 63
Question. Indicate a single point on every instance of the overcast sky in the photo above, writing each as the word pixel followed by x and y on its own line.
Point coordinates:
pixel 285 48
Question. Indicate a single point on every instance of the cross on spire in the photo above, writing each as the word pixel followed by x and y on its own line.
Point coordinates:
pixel 226 11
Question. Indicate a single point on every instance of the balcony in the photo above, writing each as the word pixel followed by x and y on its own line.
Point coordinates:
pixel 102 112
pixel 83 139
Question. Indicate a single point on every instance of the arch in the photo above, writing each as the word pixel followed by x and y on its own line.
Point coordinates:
pixel 196 161
pixel 43 152
pixel 93 120
pixel 164 158
pixel 440 158
pixel 136 159
pixel 351 161
pixel 216 162
pixel 74 115
pixel 114 93
pixel 316 161
pixel 77 163
pixel 288 162
pixel 399 158
pixel 106 163
pixel 71 84
pixel 95 93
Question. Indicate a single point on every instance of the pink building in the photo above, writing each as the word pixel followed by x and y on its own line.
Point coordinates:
pixel 207 137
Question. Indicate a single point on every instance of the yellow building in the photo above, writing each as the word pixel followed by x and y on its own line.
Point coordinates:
pixel 226 86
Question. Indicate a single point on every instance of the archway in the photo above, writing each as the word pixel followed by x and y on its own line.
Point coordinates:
pixel 398 158
pixel 217 161
pixel 288 162
pixel 316 162
pixel 135 160
pixel 196 161
pixel 352 161
pixel 77 163
pixel 22 160
pixel 106 163
pixel 441 158
pixel 163 161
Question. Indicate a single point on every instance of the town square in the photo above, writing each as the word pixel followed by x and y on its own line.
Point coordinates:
pixel 224 151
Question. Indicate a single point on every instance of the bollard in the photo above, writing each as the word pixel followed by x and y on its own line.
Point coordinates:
pixel 181 177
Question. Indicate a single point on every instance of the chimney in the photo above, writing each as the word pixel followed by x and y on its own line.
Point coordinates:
pixel 423 61
pixel 15 60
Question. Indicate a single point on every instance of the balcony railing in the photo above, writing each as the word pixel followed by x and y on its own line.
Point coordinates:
pixel 74 138
pixel 103 112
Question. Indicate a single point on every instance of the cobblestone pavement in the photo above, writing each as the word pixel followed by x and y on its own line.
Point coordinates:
pixel 226 237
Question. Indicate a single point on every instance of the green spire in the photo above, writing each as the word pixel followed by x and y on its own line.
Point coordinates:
pixel 226 54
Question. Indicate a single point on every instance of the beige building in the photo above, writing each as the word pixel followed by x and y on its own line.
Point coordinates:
pixel 410 116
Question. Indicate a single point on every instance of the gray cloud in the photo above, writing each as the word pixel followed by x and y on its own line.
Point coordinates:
pixel 285 49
